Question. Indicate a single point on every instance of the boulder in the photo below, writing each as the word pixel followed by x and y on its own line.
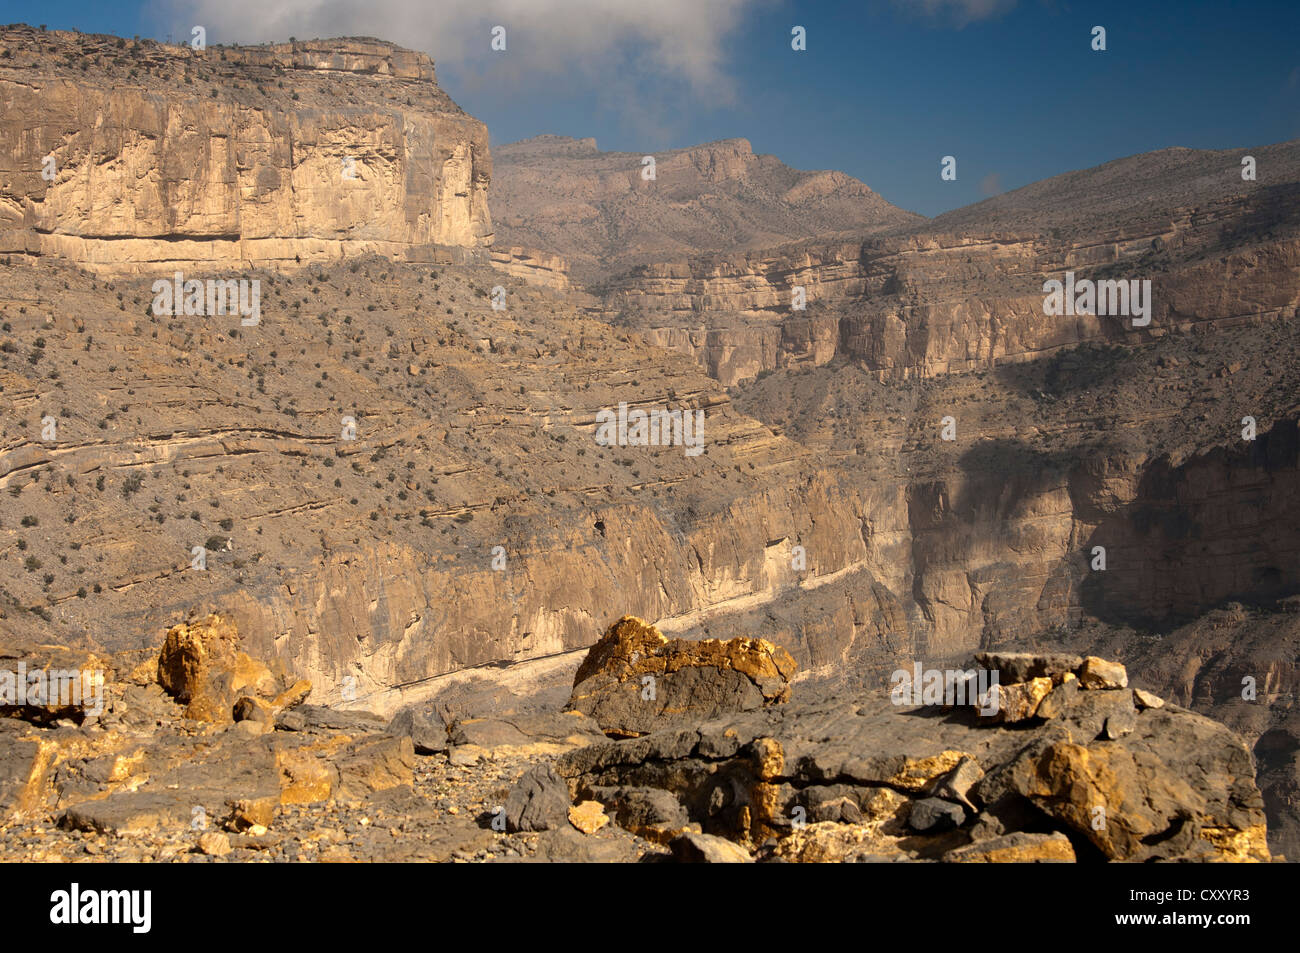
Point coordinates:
pixel 1060 698
pixel 1017 848
pixel 292 696
pixel 538 801
pixel 1101 673
pixel 634 681
pixel 248 708
pixel 1144 699
pixel 934 815
pixel 202 667
pixel 1019 701
pixel 426 736
pixel 647 812
pixel 588 816
pixel 957 784
pixel 1022 666
pixel 214 844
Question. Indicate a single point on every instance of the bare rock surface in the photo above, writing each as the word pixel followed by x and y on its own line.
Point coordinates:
pixel 862 779
pixel 634 680
pixel 597 211
pixel 207 158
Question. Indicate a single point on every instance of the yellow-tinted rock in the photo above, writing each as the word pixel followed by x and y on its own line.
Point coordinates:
pixel 634 680
pixel 248 708
pixel 214 844
pixel 1020 700
pixel 831 842
pixel 1102 673
pixel 588 816
pixel 294 695
pixel 246 813
pixel 1017 848
pixel 917 774
pixel 201 666
pixel 304 777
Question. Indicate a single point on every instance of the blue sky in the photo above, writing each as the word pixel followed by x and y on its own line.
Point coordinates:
pixel 884 90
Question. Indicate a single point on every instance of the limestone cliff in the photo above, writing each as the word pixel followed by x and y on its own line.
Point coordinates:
pixel 230 157
pixel 965 291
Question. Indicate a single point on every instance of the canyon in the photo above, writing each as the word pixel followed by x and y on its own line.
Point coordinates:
pixel 469 538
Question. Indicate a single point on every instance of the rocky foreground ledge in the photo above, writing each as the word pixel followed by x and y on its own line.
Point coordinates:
pixel 200 752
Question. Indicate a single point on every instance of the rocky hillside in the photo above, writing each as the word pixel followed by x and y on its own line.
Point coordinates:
pixel 965 291
pixel 393 483
pixel 989 540
pixel 230 156
pixel 370 548
pixel 597 211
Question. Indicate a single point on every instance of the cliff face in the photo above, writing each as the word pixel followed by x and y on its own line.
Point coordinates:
pixel 231 157
pixel 936 304
pixel 965 291
pixel 376 557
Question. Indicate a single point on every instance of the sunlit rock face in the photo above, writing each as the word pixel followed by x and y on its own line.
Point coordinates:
pixel 233 156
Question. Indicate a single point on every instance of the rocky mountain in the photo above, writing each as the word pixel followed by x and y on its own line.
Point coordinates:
pixel 965 291
pixel 395 479
pixel 601 213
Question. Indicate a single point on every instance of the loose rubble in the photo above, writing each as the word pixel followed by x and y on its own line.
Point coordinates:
pixel 208 756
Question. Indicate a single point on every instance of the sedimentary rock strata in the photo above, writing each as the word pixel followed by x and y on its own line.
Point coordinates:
pixel 166 156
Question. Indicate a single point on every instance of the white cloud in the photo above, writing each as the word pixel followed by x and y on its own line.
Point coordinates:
pixel 682 40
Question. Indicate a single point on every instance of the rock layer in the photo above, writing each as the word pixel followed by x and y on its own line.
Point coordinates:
pixel 360 152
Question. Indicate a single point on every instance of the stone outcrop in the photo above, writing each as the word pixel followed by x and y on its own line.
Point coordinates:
pixel 866 780
pixel 634 680
pixel 202 667
pixel 536 268
pixel 225 158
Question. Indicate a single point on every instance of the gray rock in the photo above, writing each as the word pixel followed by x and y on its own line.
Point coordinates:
pixel 538 801
pixel 1119 724
pixel 1017 847
pixel 986 827
pixel 1022 666
pixel 957 784
pixel 427 736
pixel 652 813
pixel 568 846
pixel 1088 712
pixel 1062 697
pixel 1175 770
pixel 934 815
pixel 314 717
